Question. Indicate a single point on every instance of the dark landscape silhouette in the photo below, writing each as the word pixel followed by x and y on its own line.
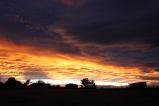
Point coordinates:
pixel 79 52
pixel 14 92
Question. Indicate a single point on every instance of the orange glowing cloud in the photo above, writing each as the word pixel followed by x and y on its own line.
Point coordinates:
pixel 25 62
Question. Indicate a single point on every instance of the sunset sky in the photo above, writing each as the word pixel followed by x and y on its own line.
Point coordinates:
pixel 109 41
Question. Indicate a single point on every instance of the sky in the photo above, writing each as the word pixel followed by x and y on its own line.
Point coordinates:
pixel 113 41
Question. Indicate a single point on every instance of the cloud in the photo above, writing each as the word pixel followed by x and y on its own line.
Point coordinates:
pixel 34 73
pixel 71 2
pixel 150 78
pixel 115 32
pixel 107 22
pixel 122 54
pixel 157 69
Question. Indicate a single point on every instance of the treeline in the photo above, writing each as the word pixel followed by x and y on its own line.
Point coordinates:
pixel 85 84
pixel 13 83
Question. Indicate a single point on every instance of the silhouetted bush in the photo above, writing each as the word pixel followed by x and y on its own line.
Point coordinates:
pixel 86 83
pixel 1 84
pixel 138 85
pixel 39 84
pixel 71 86
pixel 12 82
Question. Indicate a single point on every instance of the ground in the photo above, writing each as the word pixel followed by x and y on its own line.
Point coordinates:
pixel 76 97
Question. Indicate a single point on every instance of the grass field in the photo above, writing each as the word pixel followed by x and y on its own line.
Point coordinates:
pixel 79 97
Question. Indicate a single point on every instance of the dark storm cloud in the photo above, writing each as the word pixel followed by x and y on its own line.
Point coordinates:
pixel 26 21
pixel 122 32
pixel 126 30
pixel 157 69
pixel 116 21
pixel 27 18
pixel 136 58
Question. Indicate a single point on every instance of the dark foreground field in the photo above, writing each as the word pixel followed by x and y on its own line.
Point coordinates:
pixel 77 97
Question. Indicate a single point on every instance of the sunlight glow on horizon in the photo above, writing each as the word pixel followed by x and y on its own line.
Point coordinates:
pixel 78 82
pixel 24 62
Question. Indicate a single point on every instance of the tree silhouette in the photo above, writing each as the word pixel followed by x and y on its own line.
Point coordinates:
pixel 71 86
pixel 12 82
pixel 86 83
pixel 27 83
pixel 40 84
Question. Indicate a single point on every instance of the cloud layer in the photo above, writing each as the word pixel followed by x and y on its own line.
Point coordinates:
pixel 118 33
